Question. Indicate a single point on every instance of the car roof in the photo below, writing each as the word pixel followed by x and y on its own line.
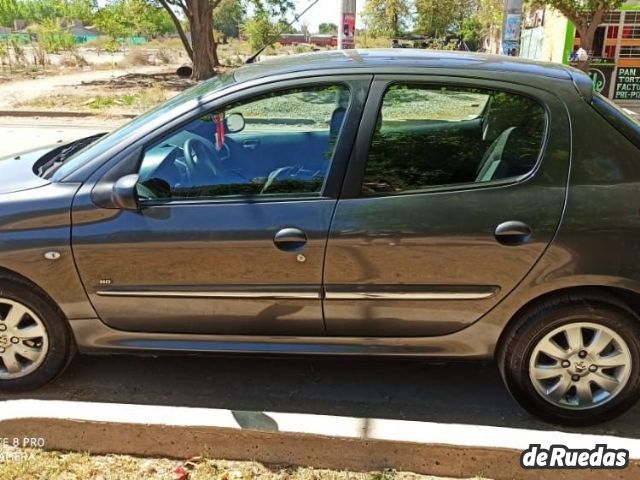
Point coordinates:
pixel 399 58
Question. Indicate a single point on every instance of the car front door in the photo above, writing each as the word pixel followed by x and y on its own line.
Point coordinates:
pixel 230 236
pixel 454 191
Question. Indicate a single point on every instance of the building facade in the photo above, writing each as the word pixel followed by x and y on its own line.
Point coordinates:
pixel 615 57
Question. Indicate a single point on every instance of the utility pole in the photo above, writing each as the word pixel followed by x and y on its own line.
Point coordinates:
pixel 347 24
pixel 511 27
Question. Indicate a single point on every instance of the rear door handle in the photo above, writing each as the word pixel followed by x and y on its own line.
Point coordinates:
pixel 290 239
pixel 513 233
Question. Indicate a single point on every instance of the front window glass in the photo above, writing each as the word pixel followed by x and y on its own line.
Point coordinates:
pixel 108 141
pixel 428 136
pixel 280 144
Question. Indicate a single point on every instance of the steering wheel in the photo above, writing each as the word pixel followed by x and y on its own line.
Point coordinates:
pixel 199 158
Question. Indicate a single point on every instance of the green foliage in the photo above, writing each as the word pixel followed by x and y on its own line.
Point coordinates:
pixel 385 17
pixel 147 18
pixel 18 50
pixel 471 31
pixel 124 18
pixel 436 17
pixel 490 13
pixel 37 11
pixel 328 29
pixel 114 21
pixel 583 8
pixel 143 17
pixel 442 17
pixel 259 30
pixel 228 17
pixel 53 38
pixel 8 11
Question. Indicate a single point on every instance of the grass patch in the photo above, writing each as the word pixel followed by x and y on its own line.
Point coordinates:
pixel 135 102
pixel 31 464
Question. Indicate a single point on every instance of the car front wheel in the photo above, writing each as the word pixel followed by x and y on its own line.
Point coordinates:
pixel 35 342
pixel 574 360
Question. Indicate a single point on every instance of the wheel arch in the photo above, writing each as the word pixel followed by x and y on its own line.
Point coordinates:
pixel 623 297
pixel 13 276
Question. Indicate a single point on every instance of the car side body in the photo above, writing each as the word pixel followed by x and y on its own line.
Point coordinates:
pixel 416 274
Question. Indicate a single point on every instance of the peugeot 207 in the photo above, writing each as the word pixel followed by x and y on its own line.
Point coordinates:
pixel 405 203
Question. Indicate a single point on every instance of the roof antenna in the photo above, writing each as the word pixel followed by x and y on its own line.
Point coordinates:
pixel 275 37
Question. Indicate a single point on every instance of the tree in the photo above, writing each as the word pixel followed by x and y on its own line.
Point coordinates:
pixel 114 20
pixel 259 30
pixel 436 18
pixel 586 15
pixel 147 18
pixel 202 47
pixel 201 14
pixel 471 32
pixel 490 15
pixel 328 29
pixel 228 18
pixel 385 18
pixel 8 12
pixel 37 11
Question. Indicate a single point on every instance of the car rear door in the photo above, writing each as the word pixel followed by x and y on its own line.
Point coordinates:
pixel 235 249
pixel 454 190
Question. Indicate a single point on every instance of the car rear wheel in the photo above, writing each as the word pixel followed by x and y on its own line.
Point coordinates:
pixel 35 341
pixel 574 360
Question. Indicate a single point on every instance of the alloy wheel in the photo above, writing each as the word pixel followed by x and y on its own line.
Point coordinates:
pixel 580 365
pixel 23 340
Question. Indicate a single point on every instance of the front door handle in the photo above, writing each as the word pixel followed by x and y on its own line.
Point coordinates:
pixel 513 233
pixel 290 239
pixel 250 144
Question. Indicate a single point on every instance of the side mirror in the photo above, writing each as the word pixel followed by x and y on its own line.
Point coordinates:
pixel 124 193
pixel 234 122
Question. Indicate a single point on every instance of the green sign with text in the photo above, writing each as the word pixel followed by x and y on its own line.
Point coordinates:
pixel 627 84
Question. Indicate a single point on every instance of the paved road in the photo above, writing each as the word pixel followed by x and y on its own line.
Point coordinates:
pixel 18 137
pixel 360 387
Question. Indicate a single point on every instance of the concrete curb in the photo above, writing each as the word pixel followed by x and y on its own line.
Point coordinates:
pixel 299 439
pixel 58 114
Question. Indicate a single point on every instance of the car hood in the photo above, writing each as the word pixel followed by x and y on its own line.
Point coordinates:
pixel 16 171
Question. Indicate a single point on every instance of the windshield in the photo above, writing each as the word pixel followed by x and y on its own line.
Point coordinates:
pixel 95 149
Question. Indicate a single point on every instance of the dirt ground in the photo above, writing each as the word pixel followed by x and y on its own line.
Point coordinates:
pixel 104 92
pixel 32 464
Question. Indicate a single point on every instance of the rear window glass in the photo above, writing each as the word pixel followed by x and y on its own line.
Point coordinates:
pixel 616 116
pixel 430 136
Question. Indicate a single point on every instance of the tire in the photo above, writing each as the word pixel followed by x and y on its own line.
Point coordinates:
pixel 42 334
pixel 529 361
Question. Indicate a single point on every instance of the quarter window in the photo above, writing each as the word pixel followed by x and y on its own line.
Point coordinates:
pixel 430 136
pixel 280 144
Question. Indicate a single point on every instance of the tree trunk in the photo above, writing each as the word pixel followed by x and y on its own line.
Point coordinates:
pixel 586 27
pixel 205 57
pixel 202 49
pixel 216 59
pixel 178 25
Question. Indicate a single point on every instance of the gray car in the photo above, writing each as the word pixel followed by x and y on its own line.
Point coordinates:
pixel 396 202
